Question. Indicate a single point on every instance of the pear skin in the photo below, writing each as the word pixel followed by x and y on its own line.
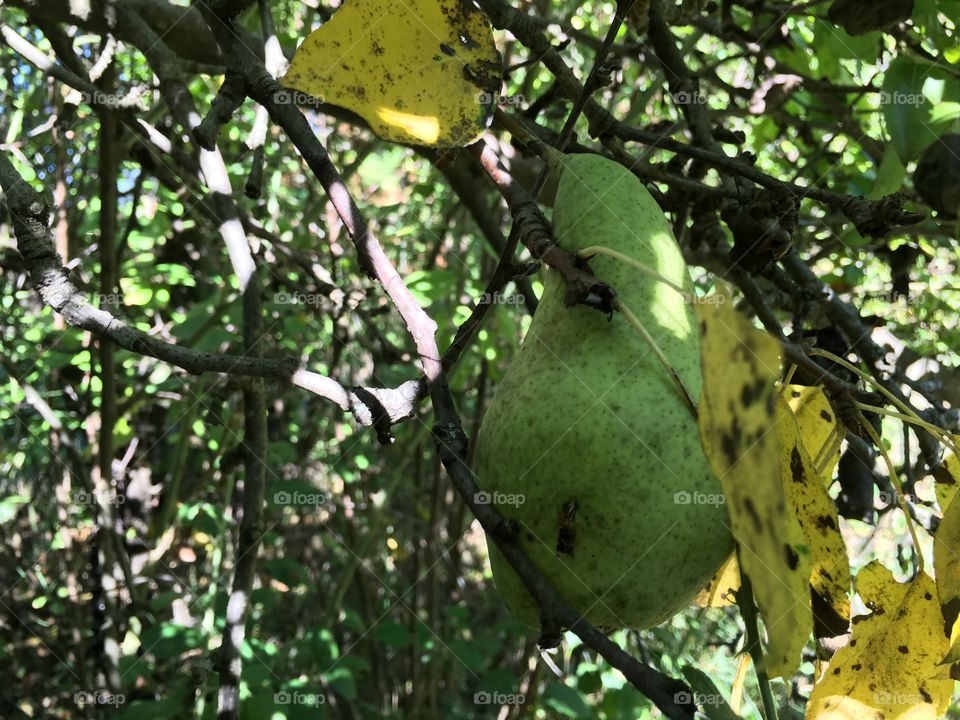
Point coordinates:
pixel 587 442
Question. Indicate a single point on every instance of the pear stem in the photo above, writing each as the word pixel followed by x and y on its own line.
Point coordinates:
pixel 646 270
pixel 830 446
pixel 789 377
pixel 633 320
pixel 748 610
pixel 895 478
pixel 912 415
pixel 929 427
pixel 648 339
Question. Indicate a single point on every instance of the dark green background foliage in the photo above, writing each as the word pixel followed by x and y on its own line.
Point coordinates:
pixel 372 590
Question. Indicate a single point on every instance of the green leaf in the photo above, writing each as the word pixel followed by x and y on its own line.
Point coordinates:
pixel 905 107
pixel 565 700
pixel 945 112
pixel 707 696
pixel 841 44
pixel 342 680
pixel 393 634
pixel 890 175
pixel 9 506
pixel 286 570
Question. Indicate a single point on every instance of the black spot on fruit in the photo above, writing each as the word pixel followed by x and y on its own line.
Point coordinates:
pixel 568 532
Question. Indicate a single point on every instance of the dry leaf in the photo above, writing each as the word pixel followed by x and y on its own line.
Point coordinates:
pixel 818 426
pixel 425 72
pixel 719 592
pixel 946 556
pixel 817 515
pixel 888 670
pixel 738 418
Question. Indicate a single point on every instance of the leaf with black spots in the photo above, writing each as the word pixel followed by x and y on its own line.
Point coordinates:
pixel 890 667
pixel 424 72
pixel 738 418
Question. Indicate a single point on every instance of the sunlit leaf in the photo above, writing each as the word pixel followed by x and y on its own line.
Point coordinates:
pixel 425 72
pixel 719 592
pixel 818 426
pixel 814 510
pixel 741 366
pixel 946 555
pixel 888 669
pixel 947 478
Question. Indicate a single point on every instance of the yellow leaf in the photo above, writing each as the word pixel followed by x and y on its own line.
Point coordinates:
pixel 741 366
pixel 946 555
pixel 817 515
pixel 739 680
pixel 887 670
pixel 947 478
pixel 719 592
pixel 425 72
pixel 818 426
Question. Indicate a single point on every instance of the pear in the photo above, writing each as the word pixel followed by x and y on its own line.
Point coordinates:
pixel 587 443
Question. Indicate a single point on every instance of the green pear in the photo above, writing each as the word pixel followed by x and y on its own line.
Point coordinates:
pixel 588 443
